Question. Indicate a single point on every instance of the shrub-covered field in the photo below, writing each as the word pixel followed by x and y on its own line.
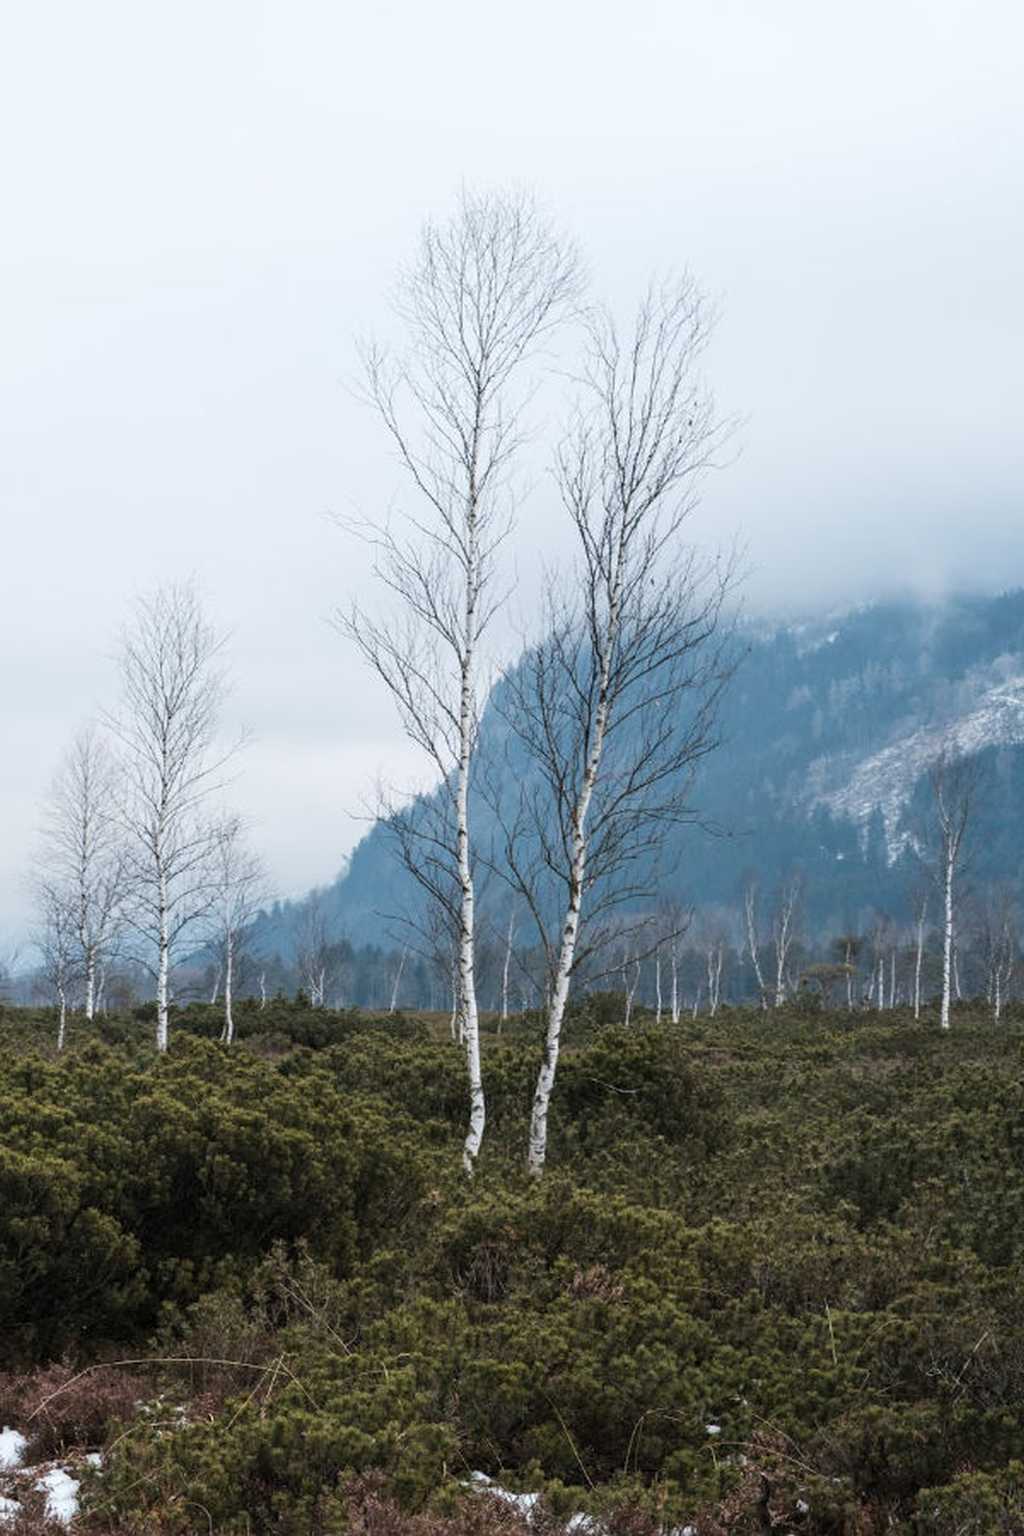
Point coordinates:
pixel 772 1279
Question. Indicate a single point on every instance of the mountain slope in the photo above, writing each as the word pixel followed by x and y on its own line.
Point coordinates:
pixel 828 731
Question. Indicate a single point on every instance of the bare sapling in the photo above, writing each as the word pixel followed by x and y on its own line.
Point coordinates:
pixel 615 705
pixel 172 693
pixel 484 293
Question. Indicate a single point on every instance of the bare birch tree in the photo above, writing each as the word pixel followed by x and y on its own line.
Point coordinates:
pixel 485 291
pixel 999 943
pixel 920 901
pixel 84 852
pixel 56 942
pixel 172 691
pixel 616 704
pixel 239 891
pixel 753 938
pixel 785 918
pixel 316 950
pixel 954 784
pixel 846 948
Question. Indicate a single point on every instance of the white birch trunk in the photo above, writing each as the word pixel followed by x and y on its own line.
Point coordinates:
pixel 675 986
pixel 748 906
pixel 657 986
pixel 397 983
pixel 229 967
pixel 538 1140
pixel 504 973
pixel 947 937
pixel 918 961
pixel 163 968
pixel 90 983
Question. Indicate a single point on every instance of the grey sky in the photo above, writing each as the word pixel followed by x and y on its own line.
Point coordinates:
pixel 202 204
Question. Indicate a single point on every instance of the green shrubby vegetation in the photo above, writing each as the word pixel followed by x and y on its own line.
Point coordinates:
pixel 804 1230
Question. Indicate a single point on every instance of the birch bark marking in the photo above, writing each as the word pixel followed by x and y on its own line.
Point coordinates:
pixel 163 950
pixel 538 1138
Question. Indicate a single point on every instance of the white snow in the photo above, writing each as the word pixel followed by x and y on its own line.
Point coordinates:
pixel 886 778
pixel 61 1494
pixel 523 1502
pixel 713 1429
pixel 12 1448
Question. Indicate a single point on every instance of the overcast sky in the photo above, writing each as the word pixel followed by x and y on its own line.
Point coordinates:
pixel 201 205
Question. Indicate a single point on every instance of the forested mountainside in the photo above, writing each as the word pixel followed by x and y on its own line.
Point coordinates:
pixel 827 733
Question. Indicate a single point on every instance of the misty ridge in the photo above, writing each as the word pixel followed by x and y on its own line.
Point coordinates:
pixel 628 1141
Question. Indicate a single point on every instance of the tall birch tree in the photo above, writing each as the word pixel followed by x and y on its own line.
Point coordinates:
pixel 56 942
pixel 485 291
pixel 954 783
pixel 616 704
pixel 172 692
pixel 84 853
pixel 239 892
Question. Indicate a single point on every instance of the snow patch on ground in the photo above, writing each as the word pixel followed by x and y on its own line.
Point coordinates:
pixel 12 1448
pixel 55 1481
pixel 61 1494
pixel 579 1524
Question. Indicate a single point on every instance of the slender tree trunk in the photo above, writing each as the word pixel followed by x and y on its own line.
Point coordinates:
pixel 657 985
pixel 90 982
pixel 504 972
pixel 675 986
pixel 397 983
pixel 63 1022
pixel 163 968
pixel 947 939
pixel 468 1011
pixel 229 967
pixel 714 959
pixel 918 959
pixel 216 988
pixel 538 1142
pixel 752 946
pixel 263 990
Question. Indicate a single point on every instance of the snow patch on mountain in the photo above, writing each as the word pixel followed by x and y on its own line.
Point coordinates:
pixel 887 778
